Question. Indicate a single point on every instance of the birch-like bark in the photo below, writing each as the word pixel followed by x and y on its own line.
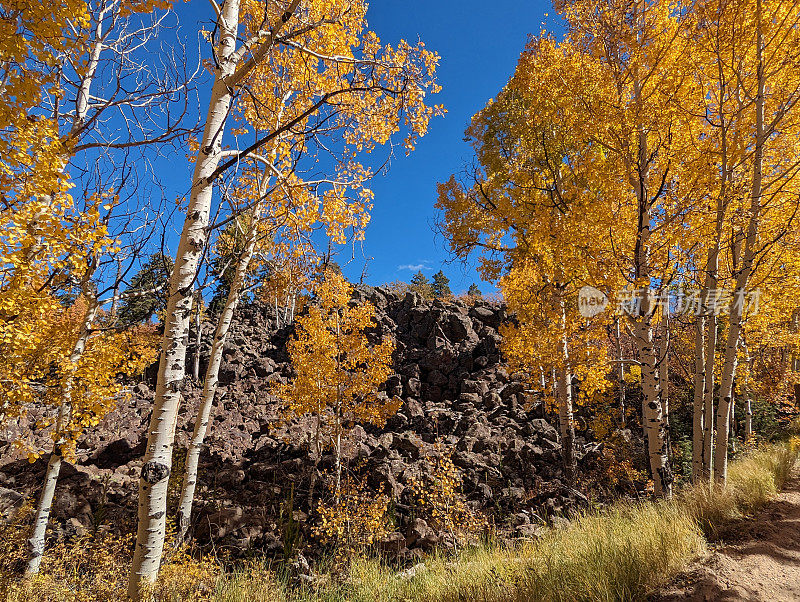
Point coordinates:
pixel 743 273
pixel 621 376
pixel 652 411
pixel 566 419
pixel 338 434
pixel 566 423
pixel 698 418
pixel 708 397
pixel 748 425
pixel 663 382
pixel 42 517
pixel 155 472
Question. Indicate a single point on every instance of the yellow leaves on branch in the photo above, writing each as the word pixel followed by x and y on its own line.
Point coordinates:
pixel 346 93
pixel 438 499
pixel 338 369
pixel 38 372
pixel 359 519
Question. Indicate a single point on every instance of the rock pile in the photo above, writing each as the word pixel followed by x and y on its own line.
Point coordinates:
pixel 254 477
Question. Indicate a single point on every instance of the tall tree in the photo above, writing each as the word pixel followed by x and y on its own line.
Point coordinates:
pixel 303 68
pixel 51 74
pixel 421 285
pixel 146 296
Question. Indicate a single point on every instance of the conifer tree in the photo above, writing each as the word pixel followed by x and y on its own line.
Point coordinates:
pixel 440 287
pixel 421 285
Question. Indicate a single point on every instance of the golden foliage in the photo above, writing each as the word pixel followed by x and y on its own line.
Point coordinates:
pixel 356 521
pixel 92 567
pixel 94 384
pixel 337 369
pixel 439 501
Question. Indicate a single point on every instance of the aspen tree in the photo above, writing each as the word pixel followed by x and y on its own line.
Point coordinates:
pixel 280 40
pixel 773 93
pixel 338 370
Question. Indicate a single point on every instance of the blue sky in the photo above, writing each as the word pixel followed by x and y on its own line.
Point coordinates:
pixel 479 43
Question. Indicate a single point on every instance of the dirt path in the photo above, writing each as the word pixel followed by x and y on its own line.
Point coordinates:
pixel 759 559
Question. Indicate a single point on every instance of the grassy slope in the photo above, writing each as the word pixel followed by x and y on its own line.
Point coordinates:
pixel 620 554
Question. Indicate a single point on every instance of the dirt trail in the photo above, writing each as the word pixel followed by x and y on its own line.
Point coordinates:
pixel 759 559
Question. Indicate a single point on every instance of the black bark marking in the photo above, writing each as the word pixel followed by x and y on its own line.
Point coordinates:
pixel 153 472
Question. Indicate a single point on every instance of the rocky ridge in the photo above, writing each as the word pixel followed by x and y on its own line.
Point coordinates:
pixel 254 477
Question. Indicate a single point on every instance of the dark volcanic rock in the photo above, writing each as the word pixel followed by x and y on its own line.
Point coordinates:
pixel 254 476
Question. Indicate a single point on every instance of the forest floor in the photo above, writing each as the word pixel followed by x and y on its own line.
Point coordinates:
pixel 755 559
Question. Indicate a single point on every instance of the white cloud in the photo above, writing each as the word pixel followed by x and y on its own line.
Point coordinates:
pixel 416 267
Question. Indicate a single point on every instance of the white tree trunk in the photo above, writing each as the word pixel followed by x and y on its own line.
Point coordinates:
pixel 42 517
pixel 708 397
pixel 621 375
pixel 748 425
pixel 566 423
pixel 697 402
pixel 172 366
pixel 566 419
pixel 198 335
pixel 663 382
pixel 652 410
pixel 742 274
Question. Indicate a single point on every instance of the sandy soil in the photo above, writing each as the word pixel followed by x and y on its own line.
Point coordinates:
pixel 757 560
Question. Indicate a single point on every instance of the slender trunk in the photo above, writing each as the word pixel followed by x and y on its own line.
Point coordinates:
pixel 566 420
pixel 733 426
pixel 338 434
pixel 698 430
pixel 708 397
pixel 155 472
pixel 652 409
pixel 338 449
pixel 115 299
pixel 42 517
pixel 543 409
pixel 210 387
pixel 621 376
pixel 653 416
pixel 317 456
pixel 566 423
pixel 743 273
pixel 663 383
pixel 748 425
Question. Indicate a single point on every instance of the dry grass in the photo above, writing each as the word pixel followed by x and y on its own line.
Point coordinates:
pixel 622 553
